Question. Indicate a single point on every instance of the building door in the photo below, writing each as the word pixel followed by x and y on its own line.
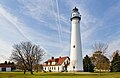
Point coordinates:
pixel 4 69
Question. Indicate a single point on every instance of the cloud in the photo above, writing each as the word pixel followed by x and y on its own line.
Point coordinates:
pixel 105 29
pixel 13 31
pixel 3 58
pixel 47 13
pixel 114 45
pixel 9 32
pixel 111 21
pixel 86 24
pixel 49 25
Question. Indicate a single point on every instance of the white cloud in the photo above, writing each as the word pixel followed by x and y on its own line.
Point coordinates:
pixel 12 31
pixel 45 12
pixel 42 9
pixel 111 20
pixel 114 45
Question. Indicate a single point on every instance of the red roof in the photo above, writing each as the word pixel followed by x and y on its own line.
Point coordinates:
pixel 58 61
pixel 5 65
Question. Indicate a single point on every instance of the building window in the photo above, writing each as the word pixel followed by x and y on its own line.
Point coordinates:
pixel 48 63
pixel 58 68
pixel 65 63
pixel 3 69
pixel 73 14
pixel 73 46
pixel 62 67
pixel 45 68
pixel 68 62
pixel 54 68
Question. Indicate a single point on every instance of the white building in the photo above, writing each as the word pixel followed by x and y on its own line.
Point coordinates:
pixel 76 61
pixel 6 67
pixel 56 64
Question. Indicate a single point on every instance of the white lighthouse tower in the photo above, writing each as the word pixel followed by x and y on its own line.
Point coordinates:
pixel 76 61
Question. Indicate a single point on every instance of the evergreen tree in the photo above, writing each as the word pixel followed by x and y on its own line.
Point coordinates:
pixel 87 64
pixel 115 63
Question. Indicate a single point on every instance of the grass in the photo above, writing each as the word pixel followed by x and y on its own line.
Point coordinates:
pixel 58 75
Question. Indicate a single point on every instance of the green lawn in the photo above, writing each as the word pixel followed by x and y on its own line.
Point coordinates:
pixel 58 75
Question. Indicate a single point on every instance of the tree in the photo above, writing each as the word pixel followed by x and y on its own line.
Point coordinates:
pixel 27 55
pixel 100 47
pixel 87 64
pixel 115 63
pixel 101 62
pixel 38 67
pixel 99 59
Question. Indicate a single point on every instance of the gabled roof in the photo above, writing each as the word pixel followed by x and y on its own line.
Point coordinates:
pixel 6 65
pixel 58 61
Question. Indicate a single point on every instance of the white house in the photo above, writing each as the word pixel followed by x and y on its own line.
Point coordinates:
pixel 6 67
pixel 56 64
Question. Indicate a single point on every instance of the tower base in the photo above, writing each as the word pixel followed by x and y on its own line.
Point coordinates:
pixel 70 69
pixel 75 70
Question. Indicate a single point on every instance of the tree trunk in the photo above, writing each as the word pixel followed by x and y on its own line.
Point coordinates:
pixel 31 71
pixel 37 71
pixel 37 68
pixel 24 71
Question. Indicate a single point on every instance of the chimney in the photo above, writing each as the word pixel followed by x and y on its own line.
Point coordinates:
pixel 52 58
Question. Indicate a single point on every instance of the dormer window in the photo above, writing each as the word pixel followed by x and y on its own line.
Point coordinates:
pixel 48 63
pixel 53 63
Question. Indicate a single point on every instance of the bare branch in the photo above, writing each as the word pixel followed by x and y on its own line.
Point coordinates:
pixel 100 47
pixel 27 54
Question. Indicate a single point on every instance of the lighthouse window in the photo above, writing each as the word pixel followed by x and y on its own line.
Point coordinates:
pixel 73 46
pixel 73 14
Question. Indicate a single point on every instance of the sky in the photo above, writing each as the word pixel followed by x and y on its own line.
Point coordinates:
pixel 47 23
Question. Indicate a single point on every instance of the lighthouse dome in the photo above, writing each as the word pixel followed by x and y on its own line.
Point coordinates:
pixel 75 14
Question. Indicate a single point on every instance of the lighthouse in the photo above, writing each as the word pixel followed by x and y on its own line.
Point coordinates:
pixel 76 61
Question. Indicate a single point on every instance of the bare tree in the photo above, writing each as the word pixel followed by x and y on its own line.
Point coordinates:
pixel 27 55
pixel 100 47
pixel 99 59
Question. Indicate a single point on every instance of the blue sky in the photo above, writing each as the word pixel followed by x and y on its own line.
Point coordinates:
pixel 47 23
